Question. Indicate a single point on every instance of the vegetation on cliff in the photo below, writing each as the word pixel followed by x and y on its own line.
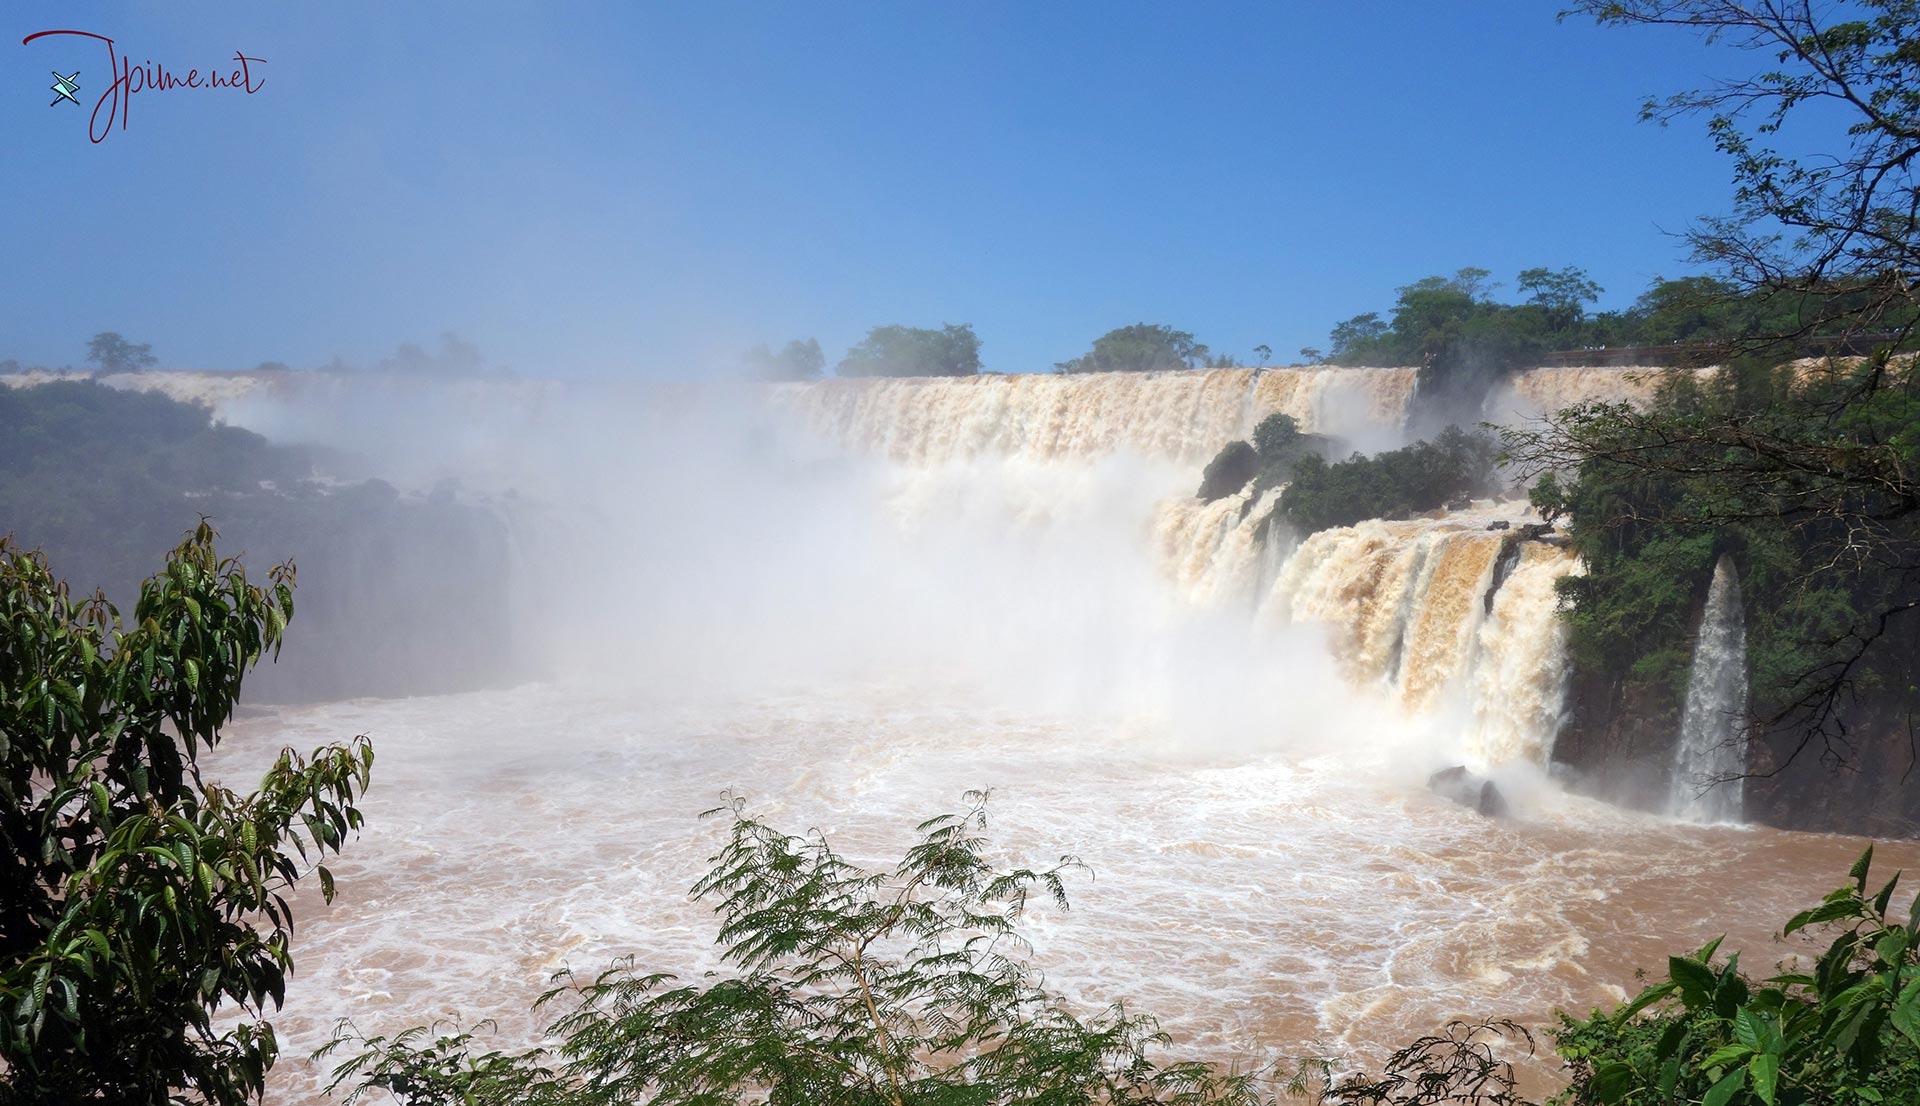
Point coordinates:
pixel 1805 474
pixel 1268 461
pixel 105 481
pixel 1397 483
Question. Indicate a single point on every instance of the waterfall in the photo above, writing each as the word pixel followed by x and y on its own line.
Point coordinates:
pixel 1712 742
pixel 1530 393
pixel 1421 611
pixel 1174 416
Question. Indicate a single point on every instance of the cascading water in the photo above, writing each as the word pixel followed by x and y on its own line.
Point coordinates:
pixel 1181 416
pixel 1420 611
pixel 1712 751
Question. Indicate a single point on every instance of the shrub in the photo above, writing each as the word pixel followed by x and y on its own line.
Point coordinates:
pixel 139 898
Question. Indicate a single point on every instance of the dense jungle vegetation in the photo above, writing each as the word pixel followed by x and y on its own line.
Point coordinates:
pixel 104 481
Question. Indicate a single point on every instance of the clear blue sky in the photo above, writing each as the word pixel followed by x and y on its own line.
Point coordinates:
pixel 628 189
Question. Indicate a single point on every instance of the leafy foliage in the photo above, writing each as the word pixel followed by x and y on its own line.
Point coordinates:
pixel 1850 215
pixel 914 351
pixel 1266 462
pixel 138 897
pixel 1394 484
pixel 1142 347
pixel 115 354
pixel 105 480
pixel 1804 476
pixel 1848 1032
pixel 902 985
pixel 1457 1065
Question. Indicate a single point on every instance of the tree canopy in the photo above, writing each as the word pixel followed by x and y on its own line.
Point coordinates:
pixel 1394 484
pixel 115 354
pixel 914 351
pixel 1142 347
pixel 1850 215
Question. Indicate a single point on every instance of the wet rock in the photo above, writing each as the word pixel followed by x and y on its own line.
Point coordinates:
pixel 1469 790
pixel 1460 503
pixel 1499 524
pixel 1229 471
pixel 1535 531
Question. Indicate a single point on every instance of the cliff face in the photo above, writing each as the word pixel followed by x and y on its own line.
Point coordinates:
pixel 1866 782
pixel 1618 745
pixel 1617 742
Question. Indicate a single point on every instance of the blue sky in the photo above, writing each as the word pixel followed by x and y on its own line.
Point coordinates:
pixel 625 189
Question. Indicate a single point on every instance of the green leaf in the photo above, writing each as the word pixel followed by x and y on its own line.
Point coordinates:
pixel 1695 980
pixel 1722 1092
pixel 1885 896
pixel 1612 1081
pixel 1827 912
pixel 1747 1028
pixel 1645 999
pixel 1906 1012
pixel 1727 1054
pixel 1892 947
pixel 1858 873
pixel 1764 1071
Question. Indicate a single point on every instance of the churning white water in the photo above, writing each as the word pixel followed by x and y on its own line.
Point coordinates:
pixel 1712 751
pixel 1005 583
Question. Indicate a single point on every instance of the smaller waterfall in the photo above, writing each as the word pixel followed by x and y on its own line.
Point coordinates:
pixel 1712 727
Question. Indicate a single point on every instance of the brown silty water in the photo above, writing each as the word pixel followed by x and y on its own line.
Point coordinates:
pixel 1256 901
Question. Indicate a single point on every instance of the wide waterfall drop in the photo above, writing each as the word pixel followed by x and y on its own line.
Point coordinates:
pixel 1712 752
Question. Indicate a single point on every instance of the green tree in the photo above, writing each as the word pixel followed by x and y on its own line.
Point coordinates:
pixel 139 898
pixel 115 354
pixel 1394 484
pixel 797 360
pixel 1851 213
pixel 849 987
pixel 1561 294
pixel 914 351
pixel 1360 338
pixel 1277 436
pixel 1142 347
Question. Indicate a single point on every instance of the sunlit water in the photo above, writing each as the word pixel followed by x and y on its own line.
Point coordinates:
pixel 1254 900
